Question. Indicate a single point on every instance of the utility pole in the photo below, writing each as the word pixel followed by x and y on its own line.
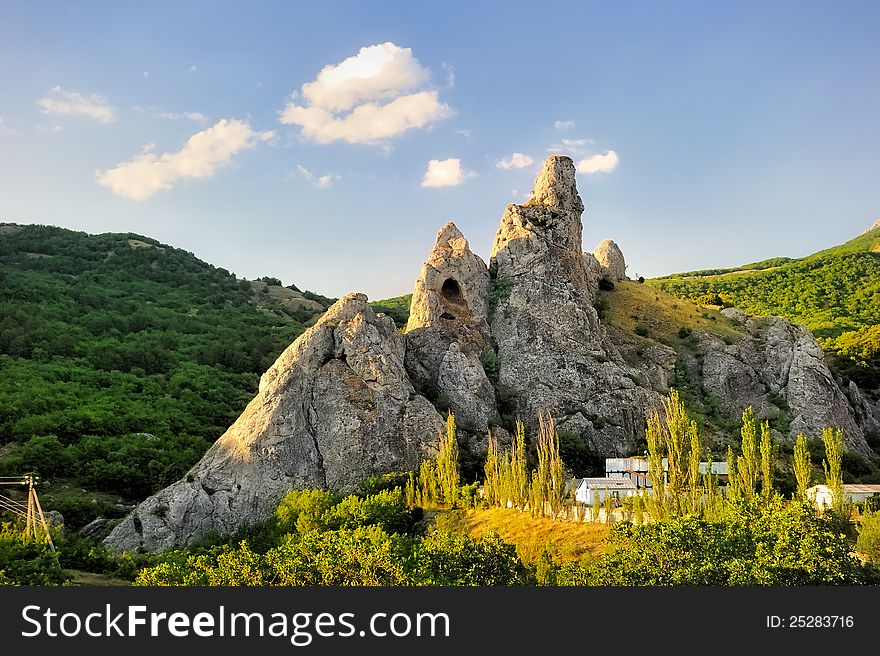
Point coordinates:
pixel 33 512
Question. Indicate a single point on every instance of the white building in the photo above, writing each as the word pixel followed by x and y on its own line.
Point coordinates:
pixel 636 469
pixel 594 490
pixel 854 492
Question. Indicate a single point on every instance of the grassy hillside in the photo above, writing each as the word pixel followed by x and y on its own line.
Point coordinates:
pixel 122 359
pixel 653 313
pixel 397 308
pixel 835 293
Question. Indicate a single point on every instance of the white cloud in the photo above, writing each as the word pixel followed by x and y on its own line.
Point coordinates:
pixel 146 74
pixel 320 182
pixel 445 173
pixel 599 163
pixel 198 117
pixel 200 157
pixel 464 133
pixel 193 68
pixel 575 147
pixel 515 161
pixel 75 104
pixel 367 99
pixel 563 125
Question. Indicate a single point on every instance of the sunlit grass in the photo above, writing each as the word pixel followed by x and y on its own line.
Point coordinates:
pixel 563 540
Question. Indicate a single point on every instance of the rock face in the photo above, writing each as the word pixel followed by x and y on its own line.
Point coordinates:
pixel 553 353
pixel 780 366
pixel 447 334
pixel 610 259
pixel 336 406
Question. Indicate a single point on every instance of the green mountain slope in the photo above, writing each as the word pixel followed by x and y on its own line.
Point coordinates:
pixel 835 293
pixel 122 359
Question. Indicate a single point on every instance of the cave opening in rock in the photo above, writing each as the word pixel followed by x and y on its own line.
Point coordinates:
pixel 451 292
pixel 454 305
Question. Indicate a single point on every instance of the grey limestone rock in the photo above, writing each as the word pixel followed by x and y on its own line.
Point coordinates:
pixel 336 407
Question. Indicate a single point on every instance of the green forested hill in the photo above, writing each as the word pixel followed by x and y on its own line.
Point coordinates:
pixel 122 359
pixel 835 293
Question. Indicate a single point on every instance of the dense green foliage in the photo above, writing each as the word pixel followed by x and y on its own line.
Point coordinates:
pixel 868 543
pixel 397 308
pixel 835 293
pixel 319 539
pixel 122 359
pixel 27 562
pixel 776 544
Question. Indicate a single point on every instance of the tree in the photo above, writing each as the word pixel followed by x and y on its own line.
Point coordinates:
pixel 447 463
pixel 767 459
pixel 548 480
pixel 677 436
pixel 833 438
pixel 803 468
pixel 748 463
pixel 492 469
pixel 868 543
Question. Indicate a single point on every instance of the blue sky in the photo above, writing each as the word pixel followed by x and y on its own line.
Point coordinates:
pixel 706 133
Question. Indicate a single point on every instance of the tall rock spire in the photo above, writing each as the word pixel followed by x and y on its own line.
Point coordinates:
pixel 447 332
pixel 552 350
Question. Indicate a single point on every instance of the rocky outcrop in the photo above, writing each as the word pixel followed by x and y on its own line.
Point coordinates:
pixel 610 259
pixel 552 351
pixel 594 272
pixel 336 407
pixel 447 334
pixel 779 366
pixel 452 288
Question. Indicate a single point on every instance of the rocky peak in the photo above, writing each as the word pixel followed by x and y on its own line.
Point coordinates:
pixel 611 260
pixel 556 187
pixel 876 226
pixel 452 288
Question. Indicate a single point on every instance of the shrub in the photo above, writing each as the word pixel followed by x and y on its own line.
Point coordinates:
pixel 605 284
pixel 641 330
pixel 446 559
pixel 301 510
pixel 386 509
pixel 868 543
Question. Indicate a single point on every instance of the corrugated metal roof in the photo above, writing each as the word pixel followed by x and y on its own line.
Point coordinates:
pixel 861 488
pixel 611 483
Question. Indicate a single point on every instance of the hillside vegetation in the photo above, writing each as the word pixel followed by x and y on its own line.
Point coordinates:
pixel 123 359
pixel 835 293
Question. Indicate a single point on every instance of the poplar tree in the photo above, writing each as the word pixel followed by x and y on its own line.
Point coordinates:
pixel 447 463
pixel 766 462
pixel 548 480
pixel 492 470
pixel 833 438
pixel 694 487
pixel 677 436
pixel 803 468
pixel 519 471
pixel 733 481
pixel 748 463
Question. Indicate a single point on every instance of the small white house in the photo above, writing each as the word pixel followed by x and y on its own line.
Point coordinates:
pixel 854 492
pixel 594 490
